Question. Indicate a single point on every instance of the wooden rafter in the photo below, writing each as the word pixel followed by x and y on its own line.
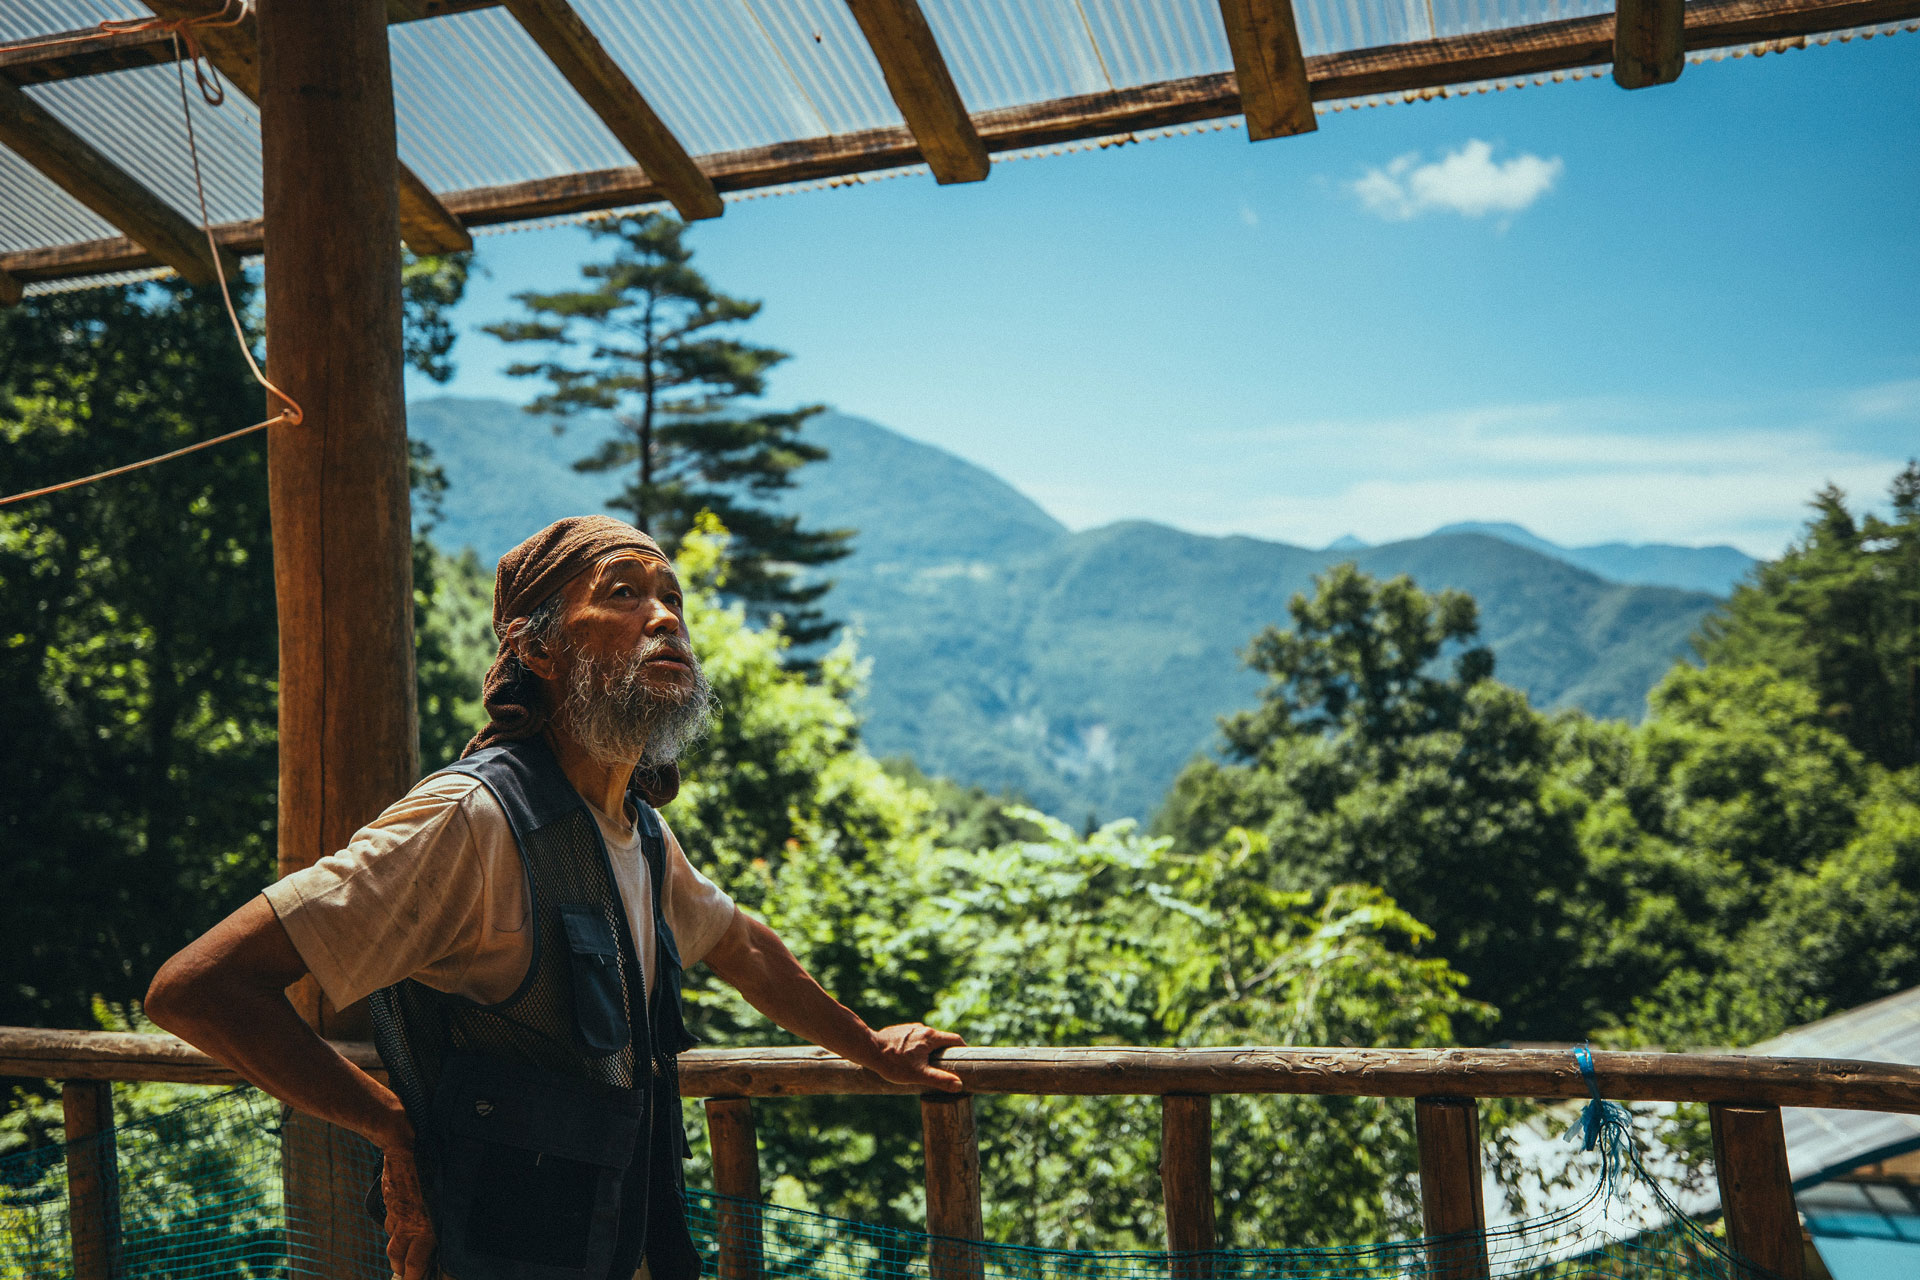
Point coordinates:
pixel 69 55
pixel 1269 66
pixel 425 224
pixel 89 52
pixel 1649 42
pixel 43 141
pixel 578 55
pixel 1415 67
pixel 923 88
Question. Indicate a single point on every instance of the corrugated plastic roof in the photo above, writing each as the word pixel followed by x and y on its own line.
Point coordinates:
pixel 479 106
pixel 1823 1143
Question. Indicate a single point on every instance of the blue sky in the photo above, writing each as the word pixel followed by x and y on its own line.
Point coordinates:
pixel 1665 315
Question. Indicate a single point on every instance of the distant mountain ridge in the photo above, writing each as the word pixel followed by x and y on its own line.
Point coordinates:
pixel 1717 568
pixel 1082 669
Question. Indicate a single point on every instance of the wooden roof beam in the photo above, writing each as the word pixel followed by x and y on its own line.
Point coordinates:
pixel 923 88
pixel 1420 65
pixel 1271 69
pixel 426 226
pixel 71 54
pixel 578 55
pixel 79 169
pixel 1649 42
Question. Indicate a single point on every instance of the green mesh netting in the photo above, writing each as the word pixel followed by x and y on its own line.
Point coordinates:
pixel 202 1193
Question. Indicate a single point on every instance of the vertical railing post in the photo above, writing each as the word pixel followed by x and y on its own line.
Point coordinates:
pixel 1756 1191
pixel 953 1186
pixel 736 1176
pixel 1186 1182
pixel 93 1178
pixel 1451 1205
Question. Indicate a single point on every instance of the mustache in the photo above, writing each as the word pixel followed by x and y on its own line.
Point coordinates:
pixel 665 646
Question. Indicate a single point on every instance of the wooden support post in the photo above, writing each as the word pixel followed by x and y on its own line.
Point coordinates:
pixel 736 1176
pixel 1451 1207
pixel 83 172
pixel 1756 1191
pixel 953 1186
pixel 1649 42
pixel 1186 1182
pixel 1269 66
pixel 10 289
pixel 337 484
pixel 922 87
pixel 93 1179
pixel 425 224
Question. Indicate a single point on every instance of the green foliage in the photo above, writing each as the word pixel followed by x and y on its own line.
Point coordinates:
pixel 1747 870
pixel 1367 762
pixel 787 812
pixel 430 287
pixel 1841 611
pixel 200 1178
pixel 1040 938
pixel 453 647
pixel 655 359
pixel 138 649
pixel 1116 939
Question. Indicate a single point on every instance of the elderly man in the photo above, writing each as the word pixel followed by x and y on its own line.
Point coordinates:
pixel 519 921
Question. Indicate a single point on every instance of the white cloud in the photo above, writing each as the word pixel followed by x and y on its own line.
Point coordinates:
pixel 1888 400
pixel 1468 181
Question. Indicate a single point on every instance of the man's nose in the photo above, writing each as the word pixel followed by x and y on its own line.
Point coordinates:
pixel 662 620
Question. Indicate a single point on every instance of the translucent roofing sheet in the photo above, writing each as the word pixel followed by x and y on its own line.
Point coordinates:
pixel 478 105
pixel 134 118
pixel 35 212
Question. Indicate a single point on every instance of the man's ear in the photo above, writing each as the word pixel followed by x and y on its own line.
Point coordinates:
pixel 533 655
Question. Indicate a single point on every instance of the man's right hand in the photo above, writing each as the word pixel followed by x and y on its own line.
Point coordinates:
pixel 410 1239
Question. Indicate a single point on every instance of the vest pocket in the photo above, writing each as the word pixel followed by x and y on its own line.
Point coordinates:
pixel 599 1007
pixel 528 1170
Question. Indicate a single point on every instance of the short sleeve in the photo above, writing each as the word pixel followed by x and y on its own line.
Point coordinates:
pixel 408 897
pixel 698 911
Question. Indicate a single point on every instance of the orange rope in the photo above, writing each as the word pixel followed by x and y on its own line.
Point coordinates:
pixel 186 48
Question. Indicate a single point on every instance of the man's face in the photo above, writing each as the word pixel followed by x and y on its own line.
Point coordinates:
pixel 631 686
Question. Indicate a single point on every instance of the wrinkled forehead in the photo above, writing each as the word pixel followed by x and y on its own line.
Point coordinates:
pixel 627 562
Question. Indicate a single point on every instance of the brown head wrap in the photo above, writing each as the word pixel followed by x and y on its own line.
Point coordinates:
pixel 527 578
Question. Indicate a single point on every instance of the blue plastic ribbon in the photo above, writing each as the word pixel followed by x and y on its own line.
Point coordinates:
pixel 1594 1116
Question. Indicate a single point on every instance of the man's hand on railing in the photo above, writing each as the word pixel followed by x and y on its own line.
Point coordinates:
pixel 906 1052
pixel 410 1239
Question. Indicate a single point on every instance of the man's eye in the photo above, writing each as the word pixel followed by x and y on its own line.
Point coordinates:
pixel 623 590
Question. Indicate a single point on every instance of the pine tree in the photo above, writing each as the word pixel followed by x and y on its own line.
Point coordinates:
pixel 643 342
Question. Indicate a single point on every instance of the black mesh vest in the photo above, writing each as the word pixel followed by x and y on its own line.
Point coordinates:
pixel 577 1030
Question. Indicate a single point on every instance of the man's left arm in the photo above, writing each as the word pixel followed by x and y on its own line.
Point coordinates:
pixel 751 958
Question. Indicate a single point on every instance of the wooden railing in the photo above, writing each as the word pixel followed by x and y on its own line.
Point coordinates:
pixel 1744 1095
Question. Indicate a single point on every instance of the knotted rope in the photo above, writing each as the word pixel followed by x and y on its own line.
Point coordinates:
pixel 186 49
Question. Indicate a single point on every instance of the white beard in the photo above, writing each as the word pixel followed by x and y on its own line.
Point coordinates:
pixel 620 713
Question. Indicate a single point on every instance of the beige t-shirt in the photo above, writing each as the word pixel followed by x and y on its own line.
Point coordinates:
pixel 433 890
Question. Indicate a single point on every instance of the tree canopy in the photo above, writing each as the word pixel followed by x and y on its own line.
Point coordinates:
pixel 1383 753
pixel 1841 612
pixel 1740 862
pixel 138 635
pixel 647 341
